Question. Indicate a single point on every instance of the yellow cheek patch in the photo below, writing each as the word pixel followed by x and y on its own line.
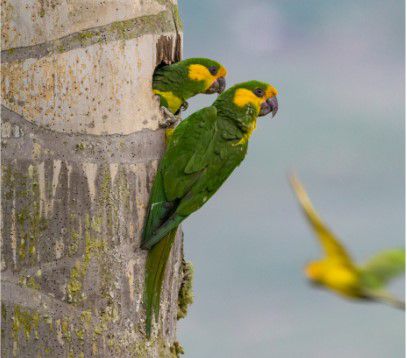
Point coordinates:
pixel 200 73
pixel 174 102
pixel 244 97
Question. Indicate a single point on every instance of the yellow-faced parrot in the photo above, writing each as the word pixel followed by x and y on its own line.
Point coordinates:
pixel 338 272
pixel 178 82
pixel 203 151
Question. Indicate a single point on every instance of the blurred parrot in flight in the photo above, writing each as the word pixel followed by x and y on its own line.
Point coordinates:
pixel 202 152
pixel 337 272
pixel 176 83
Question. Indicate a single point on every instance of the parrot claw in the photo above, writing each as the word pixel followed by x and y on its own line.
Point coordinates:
pixel 169 120
pixel 184 106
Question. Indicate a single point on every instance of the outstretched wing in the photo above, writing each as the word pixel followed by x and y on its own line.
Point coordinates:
pixel 383 267
pixel 331 246
pixel 182 164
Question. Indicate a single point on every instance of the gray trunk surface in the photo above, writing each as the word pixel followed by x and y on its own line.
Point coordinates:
pixel 80 147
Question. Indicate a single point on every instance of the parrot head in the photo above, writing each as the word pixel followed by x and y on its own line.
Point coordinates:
pixel 246 101
pixel 260 98
pixel 205 75
pixel 178 82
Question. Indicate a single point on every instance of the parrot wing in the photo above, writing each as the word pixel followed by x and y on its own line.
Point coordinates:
pixel 159 209
pixel 331 246
pixel 186 156
pixel 169 78
pixel 383 267
pixel 182 164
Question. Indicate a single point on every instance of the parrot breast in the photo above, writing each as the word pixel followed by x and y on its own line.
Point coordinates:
pixel 174 102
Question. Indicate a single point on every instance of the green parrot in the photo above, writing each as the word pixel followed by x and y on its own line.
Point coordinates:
pixel 201 154
pixel 177 82
pixel 339 273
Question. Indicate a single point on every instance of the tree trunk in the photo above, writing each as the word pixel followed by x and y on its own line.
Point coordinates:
pixel 80 146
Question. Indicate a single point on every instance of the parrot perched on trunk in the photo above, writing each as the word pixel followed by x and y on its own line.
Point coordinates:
pixel 201 154
pixel 339 273
pixel 177 82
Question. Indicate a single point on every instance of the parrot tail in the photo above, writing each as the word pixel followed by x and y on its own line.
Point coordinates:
pixel 155 268
pixel 385 297
pixel 395 302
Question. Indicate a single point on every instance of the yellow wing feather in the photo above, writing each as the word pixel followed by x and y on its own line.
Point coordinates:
pixel 332 247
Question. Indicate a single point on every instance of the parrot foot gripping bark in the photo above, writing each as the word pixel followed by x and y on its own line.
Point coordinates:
pixel 170 119
pixel 184 106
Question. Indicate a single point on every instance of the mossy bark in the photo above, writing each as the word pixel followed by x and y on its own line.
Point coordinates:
pixel 80 146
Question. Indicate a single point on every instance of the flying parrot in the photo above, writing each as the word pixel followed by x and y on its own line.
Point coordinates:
pixel 339 273
pixel 176 83
pixel 201 154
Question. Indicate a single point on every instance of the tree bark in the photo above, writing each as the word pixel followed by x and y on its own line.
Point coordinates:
pixel 80 146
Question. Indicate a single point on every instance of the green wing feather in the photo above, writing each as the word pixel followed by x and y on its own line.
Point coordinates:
pixel 159 208
pixel 187 148
pixel 384 266
pixel 170 78
pixel 187 153
pixel 378 271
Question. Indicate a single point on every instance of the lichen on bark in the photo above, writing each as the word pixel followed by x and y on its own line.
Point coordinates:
pixel 185 295
pixel 74 193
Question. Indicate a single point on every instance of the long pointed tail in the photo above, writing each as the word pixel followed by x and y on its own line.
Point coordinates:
pixel 394 301
pixel 386 297
pixel 155 268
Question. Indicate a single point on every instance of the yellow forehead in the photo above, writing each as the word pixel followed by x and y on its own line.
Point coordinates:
pixel 271 91
pixel 244 97
pixel 222 72
pixel 201 73
pixel 313 270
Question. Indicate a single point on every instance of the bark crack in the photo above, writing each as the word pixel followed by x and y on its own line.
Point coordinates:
pixel 12 293
pixel 119 30
pixel 24 137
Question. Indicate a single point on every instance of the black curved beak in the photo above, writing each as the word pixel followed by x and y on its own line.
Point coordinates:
pixel 269 105
pixel 217 86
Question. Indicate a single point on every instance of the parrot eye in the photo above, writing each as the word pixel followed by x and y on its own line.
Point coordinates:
pixel 258 92
pixel 213 70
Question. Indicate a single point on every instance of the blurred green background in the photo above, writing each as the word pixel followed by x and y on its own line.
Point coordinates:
pixel 339 69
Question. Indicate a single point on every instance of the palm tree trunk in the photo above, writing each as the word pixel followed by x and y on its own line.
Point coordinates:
pixel 80 146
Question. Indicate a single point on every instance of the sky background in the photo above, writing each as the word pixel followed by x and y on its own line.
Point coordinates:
pixel 339 69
